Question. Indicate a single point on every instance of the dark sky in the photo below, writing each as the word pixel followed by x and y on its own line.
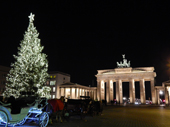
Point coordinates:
pixel 81 37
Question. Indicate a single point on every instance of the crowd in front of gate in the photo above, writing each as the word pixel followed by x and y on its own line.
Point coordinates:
pixel 63 108
pixel 60 110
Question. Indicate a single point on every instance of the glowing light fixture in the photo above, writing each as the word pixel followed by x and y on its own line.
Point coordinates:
pixel 161 92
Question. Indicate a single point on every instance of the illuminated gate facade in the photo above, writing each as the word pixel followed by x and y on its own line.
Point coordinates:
pixel 124 73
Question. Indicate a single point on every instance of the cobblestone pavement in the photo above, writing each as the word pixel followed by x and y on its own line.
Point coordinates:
pixel 122 116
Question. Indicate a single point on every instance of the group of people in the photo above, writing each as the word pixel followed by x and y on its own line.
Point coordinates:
pixel 54 107
pixel 7 100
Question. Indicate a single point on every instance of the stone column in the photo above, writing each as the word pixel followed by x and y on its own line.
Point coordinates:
pixel 102 89
pixel 83 91
pixel 65 92
pixel 166 96
pixel 132 91
pixel 59 92
pixel 153 91
pixel 119 91
pixel 168 92
pixel 95 91
pixel 70 93
pixel 158 97
pixel 108 91
pixel 111 89
pixel 99 90
pixel 78 93
pixel 92 94
pixel 142 91
pixel 75 93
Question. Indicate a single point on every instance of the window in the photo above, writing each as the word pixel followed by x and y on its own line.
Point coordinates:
pixel 53 76
pixel 52 83
pixel 53 89
pixel 53 96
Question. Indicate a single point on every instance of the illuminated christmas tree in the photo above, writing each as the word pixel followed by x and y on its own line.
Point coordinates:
pixel 29 73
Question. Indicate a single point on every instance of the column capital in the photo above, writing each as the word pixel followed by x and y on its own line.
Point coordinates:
pixel 131 79
pixel 152 79
pixel 142 79
pixel 118 80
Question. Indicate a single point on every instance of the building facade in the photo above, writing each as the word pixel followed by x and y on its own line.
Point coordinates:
pixel 75 91
pixel 55 80
pixel 106 78
pixel 125 73
pixel 60 85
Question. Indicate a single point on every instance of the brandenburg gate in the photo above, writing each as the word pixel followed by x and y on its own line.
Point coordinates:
pixel 125 73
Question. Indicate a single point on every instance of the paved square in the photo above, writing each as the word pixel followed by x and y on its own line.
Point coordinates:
pixel 123 116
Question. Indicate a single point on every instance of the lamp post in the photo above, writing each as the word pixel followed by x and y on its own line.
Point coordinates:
pixel 161 93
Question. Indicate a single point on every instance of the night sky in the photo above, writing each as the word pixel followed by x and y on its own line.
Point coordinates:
pixel 81 37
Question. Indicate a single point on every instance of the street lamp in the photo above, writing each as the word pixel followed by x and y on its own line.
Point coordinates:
pixel 161 93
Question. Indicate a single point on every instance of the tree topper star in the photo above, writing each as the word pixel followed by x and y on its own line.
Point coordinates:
pixel 31 17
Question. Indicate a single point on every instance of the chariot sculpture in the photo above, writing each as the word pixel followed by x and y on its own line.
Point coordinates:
pixel 124 64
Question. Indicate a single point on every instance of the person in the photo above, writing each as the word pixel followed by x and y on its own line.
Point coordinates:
pixel 4 100
pixel 58 107
pixel 15 108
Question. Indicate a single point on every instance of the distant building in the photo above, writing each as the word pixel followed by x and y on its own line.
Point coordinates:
pixel 60 85
pixel 55 80
pixel 75 91
pixel 3 73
